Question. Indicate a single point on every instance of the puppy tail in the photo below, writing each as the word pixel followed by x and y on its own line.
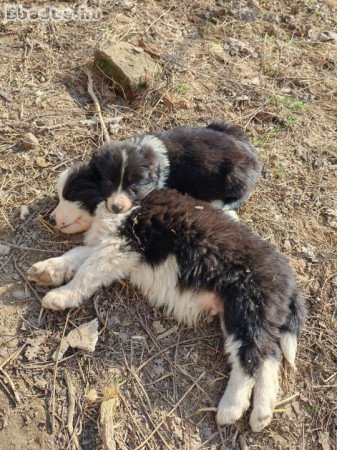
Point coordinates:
pixel 290 331
pixel 228 128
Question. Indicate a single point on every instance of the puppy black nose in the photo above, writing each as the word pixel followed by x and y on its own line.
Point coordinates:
pixel 52 220
pixel 116 208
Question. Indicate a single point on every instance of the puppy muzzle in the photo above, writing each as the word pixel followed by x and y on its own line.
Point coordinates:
pixel 118 204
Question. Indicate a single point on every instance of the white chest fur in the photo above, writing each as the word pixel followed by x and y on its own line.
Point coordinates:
pixel 159 285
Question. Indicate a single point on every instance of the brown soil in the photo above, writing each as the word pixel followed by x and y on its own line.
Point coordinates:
pixel 268 67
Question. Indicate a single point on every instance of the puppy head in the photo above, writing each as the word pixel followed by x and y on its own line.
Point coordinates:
pixel 79 195
pixel 128 171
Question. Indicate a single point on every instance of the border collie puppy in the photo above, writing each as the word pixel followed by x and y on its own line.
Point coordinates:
pixel 216 163
pixel 187 257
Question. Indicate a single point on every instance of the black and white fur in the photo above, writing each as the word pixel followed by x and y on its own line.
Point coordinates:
pixel 216 163
pixel 190 259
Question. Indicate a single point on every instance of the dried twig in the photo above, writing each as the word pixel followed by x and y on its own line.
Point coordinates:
pixel 6 375
pixel 71 409
pixel 97 106
pixel 243 442
pixel 40 250
pixel 171 411
pixel 55 374
pixel 14 355
pixel 287 400
pixel 108 412
pixel 10 381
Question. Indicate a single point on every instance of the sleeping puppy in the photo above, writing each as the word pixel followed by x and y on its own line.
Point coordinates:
pixel 187 257
pixel 214 163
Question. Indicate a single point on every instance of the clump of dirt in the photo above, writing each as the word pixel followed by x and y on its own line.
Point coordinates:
pixel 268 66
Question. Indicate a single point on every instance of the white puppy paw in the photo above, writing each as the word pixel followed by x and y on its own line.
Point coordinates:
pixel 230 409
pixel 51 272
pixel 59 299
pixel 260 417
pixel 231 214
pixel 229 414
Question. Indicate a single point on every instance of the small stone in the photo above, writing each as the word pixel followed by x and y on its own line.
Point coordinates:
pixel 287 245
pixel 41 162
pixel 18 294
pixel 41 383
pixel 326 35
pixel 4 249
pixel 29 141
pixel 158 367
pixel 158 327
pixel 84 337
pixel 296 408
pixel 129 66
pixel 324 440
pixel 255 81
pixel 24 212
pixel 91 395
pixel 33 347
pixel 236 47
pixel 309 251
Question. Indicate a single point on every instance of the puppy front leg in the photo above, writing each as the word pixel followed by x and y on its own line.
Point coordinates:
pixel 54 271
pixel 100 269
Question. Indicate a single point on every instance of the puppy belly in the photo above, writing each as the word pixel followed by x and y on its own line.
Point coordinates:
pixel 160 286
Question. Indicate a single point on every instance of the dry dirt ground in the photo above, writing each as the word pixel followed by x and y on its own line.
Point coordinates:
pixel 269 66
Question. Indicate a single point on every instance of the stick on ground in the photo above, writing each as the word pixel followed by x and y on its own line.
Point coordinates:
pixel 92 94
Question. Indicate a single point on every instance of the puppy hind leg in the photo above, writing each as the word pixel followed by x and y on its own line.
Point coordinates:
pixel 236 398
pixel 265 393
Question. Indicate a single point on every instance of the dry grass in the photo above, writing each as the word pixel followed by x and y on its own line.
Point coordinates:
pixel 280 87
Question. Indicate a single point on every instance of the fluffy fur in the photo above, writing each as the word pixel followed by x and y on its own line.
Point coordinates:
pixel 214 163
pixel 189 258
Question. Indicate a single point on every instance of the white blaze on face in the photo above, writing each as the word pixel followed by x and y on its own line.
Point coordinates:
pixel 119 203
pixel 69 216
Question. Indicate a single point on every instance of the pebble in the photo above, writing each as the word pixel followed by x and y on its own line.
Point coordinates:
pixel 29 141
pixel 24 211
pixel 4 249
pixel 18 294
pixel 91 395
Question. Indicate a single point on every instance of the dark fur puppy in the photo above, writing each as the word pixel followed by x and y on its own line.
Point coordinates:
pixel 214 163
pixel 189 258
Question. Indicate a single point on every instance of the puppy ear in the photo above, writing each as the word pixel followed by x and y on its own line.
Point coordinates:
pixel 152 160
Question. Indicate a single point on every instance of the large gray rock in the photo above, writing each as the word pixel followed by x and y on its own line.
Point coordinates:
pixel 129 66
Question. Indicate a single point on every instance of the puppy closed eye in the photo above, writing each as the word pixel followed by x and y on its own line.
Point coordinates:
pixel 139 183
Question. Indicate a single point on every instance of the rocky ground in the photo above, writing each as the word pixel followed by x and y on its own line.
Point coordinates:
pixel 268 66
